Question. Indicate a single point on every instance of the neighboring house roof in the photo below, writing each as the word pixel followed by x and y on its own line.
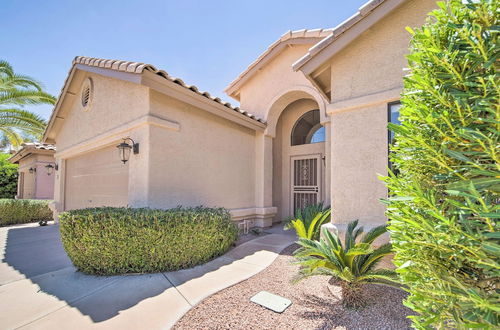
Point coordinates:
pixel 31 148
pixel 274 49
pixel 364 11
pixel 136 67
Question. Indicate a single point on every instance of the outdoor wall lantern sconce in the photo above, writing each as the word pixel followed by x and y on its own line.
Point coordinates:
pixel 32 170
pixel 124 149
pixel 50 168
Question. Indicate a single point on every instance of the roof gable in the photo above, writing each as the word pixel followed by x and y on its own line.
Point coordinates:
pixel 367 15
pixel 130 71
pixel 32 148
pixel 288 38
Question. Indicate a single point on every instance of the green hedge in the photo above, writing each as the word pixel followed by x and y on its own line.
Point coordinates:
pixel 107 241
pixel 15 211
pixel 8 177
pixel 444 211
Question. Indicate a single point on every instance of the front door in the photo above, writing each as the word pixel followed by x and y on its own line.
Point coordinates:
pixel 306 181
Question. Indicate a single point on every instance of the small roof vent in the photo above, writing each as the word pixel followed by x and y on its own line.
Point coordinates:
pixel 87 91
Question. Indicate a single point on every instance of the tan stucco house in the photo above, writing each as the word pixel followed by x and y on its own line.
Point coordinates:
pixel 311 126
pixel 36 171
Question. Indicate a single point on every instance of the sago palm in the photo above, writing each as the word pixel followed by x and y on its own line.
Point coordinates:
pixel 352 262
pixel 308 221
pixel 17 91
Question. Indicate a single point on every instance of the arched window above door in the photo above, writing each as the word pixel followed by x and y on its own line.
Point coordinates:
pixel 308 129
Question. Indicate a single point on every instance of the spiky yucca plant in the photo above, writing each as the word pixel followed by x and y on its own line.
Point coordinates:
pixel 308 221
pixel 352 262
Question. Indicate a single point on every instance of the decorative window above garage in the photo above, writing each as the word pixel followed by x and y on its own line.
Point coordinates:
pixel 87 94
pixel 308 129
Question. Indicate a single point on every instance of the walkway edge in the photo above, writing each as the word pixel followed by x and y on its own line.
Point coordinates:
pixel 257 269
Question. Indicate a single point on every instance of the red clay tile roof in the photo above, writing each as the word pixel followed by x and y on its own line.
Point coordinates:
pixel 138 67
pixel 30 146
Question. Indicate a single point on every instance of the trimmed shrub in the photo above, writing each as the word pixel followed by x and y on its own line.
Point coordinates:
pixel 16 211
pixel 8 177
pixel 444 207
pixel 106 241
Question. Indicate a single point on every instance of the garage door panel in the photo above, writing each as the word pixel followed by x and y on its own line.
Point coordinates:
pixel 96 179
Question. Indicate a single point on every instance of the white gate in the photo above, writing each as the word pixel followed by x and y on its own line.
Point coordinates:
pixel 305 180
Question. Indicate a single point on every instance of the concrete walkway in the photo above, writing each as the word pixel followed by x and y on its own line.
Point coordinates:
pixel 40 288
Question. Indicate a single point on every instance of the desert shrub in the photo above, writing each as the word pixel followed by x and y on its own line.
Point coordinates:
pixel 353 263
pixel 123 240
pixel 16 211
pixel 444 207
pixel 308 221
pixel 8 177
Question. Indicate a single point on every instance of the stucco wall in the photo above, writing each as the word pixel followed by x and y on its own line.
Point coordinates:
pixel 29 178
pixel 359 153
pixel 44 182
pixel 257 94
pixel 37 185
pixel 210 161
pixel 375 60
pixel 114 103
pixel 366 75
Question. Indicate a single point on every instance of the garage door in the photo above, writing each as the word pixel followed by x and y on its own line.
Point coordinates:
pixel 97 178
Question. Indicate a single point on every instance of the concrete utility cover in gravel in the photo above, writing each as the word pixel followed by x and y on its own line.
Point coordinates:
pixel 271 301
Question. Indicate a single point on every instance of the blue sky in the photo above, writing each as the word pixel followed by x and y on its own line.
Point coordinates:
pixel 205 43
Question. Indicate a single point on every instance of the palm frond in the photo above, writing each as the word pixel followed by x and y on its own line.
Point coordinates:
pixel 15 90
pixel 6 68
pixel 349 239
pixel 23 115
pixel 16 80
pixel 374 258
pixel 15 140
pixel 373 234
pixel 22 97
pixel 308 221
pixel 315 225
pixel 386 275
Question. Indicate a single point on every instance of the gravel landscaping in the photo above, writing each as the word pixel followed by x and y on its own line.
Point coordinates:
pixel 316 304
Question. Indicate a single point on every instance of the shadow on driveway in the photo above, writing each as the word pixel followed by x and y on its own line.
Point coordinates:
pixel 34 251
pixel 38 254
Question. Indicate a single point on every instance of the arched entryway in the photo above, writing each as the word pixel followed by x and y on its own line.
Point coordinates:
pixel 299 157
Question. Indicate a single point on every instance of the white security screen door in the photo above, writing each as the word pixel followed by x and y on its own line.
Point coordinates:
pixel 305 180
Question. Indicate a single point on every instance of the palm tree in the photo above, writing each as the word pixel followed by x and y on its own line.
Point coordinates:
pixel 16 91
pixel 353 263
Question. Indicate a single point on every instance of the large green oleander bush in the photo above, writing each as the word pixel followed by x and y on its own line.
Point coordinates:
pixel 444 204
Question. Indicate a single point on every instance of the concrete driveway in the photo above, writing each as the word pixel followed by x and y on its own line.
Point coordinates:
pixel 40 288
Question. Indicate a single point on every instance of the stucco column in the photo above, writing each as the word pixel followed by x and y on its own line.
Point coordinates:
pixel 57 205
pixel 139 167
pixel 19 188
pixel 264 180
pixel 328 160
